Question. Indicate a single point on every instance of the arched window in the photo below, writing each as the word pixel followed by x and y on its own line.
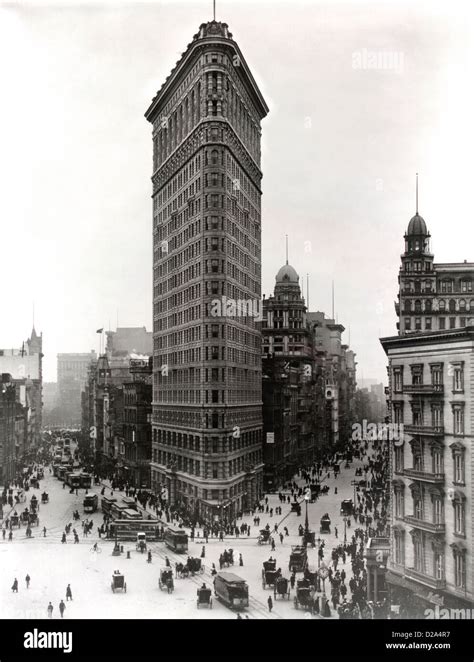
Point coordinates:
pixel 417 286
pixel 214 157
pixel 471 305
pixel 452 306
pixel 442 305
pixel 428 306
pixel 462 305
pixel 407 306
pixel 417 306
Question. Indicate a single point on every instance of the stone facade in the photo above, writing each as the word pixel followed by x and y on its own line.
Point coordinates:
pixel 207 417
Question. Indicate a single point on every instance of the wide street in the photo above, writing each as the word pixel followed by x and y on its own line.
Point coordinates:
pixel 52 565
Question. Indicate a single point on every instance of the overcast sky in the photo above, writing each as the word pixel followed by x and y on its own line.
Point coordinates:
pixel 341 146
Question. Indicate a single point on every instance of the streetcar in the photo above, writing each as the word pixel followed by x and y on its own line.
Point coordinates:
pixel 176 539
pixel 90 503
pixel 232 590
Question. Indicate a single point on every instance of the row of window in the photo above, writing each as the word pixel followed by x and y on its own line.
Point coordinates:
pixel 434 558
pixel 436 461
pixel 455 371
pixel 451 306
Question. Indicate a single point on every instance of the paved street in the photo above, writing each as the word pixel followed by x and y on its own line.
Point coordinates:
pixel 53 565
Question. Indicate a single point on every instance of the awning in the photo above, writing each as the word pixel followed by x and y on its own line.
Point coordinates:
pixel 424 592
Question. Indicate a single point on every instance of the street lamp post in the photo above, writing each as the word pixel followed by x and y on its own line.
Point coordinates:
pixel 345 528
pixel 306 522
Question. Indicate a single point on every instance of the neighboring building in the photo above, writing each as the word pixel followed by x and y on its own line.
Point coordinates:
pixel 432 296
pixel 25 366
pixel 8 412
pixel 129 340
pixel 431 387
pixel 308 381
pixel 103 419
pixel 339 369
pixel 430 392
pixel 137 395
pixel 50 396
pixel 288 381
pixel 207 400
pixel 72 376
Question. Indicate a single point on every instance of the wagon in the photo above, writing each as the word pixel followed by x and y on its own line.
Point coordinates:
pixel 45 497
pixel 141 542
pixel 264 536
pixel 165 580
pixel 347 507
pixel 282 588
pixel 269 577
pixel 204 597
pixel 295 507
pixel 325 524
pixel 195 565
pixel 118 582
pixel 298 559
pixel 15 521
pixel 34 519
pixel 304 595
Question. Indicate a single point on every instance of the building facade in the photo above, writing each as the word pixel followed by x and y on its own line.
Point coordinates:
pixel 8 412
pixel 207 416
pixel 137 396
pixel 72 376
pixel 25 366
pixel 309 380
pixel 432 296
pixel 431 382
pixel 430 393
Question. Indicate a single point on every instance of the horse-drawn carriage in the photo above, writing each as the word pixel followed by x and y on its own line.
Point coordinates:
pixel 269 573
pixel 45 497
pixel 15 521
pixel 296 508
pixel 304 595
pixel 308 538
pixel 347 507
pixel 298 559
pixel 264 536
pixel 195 565
pixel 118 582
pixel 282 587
pixel 141 542
pixel 25 517
pixel 165 580
pixel 33 519
pixel 204 597
pixel 191 567
pixel 325 524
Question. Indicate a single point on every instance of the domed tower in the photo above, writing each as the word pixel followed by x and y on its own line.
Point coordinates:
pixel 417 279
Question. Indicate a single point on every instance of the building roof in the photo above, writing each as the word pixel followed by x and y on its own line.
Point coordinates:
pixel 417 226
pixel 287 274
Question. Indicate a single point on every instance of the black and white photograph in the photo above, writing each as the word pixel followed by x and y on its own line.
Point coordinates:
pixel 237 321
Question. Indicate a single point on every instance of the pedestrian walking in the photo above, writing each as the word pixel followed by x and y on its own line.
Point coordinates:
pixel 241 561
pixel 27 580
pixel 273 545
pixel 68 592
pixel 270 603
pixel 62 607
pixel 203 552
pixel 4 533
pixel 10 535
pixel 15 586
pixel 50 610
pixel 292 580
pixel 335 531
pixel 44 532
